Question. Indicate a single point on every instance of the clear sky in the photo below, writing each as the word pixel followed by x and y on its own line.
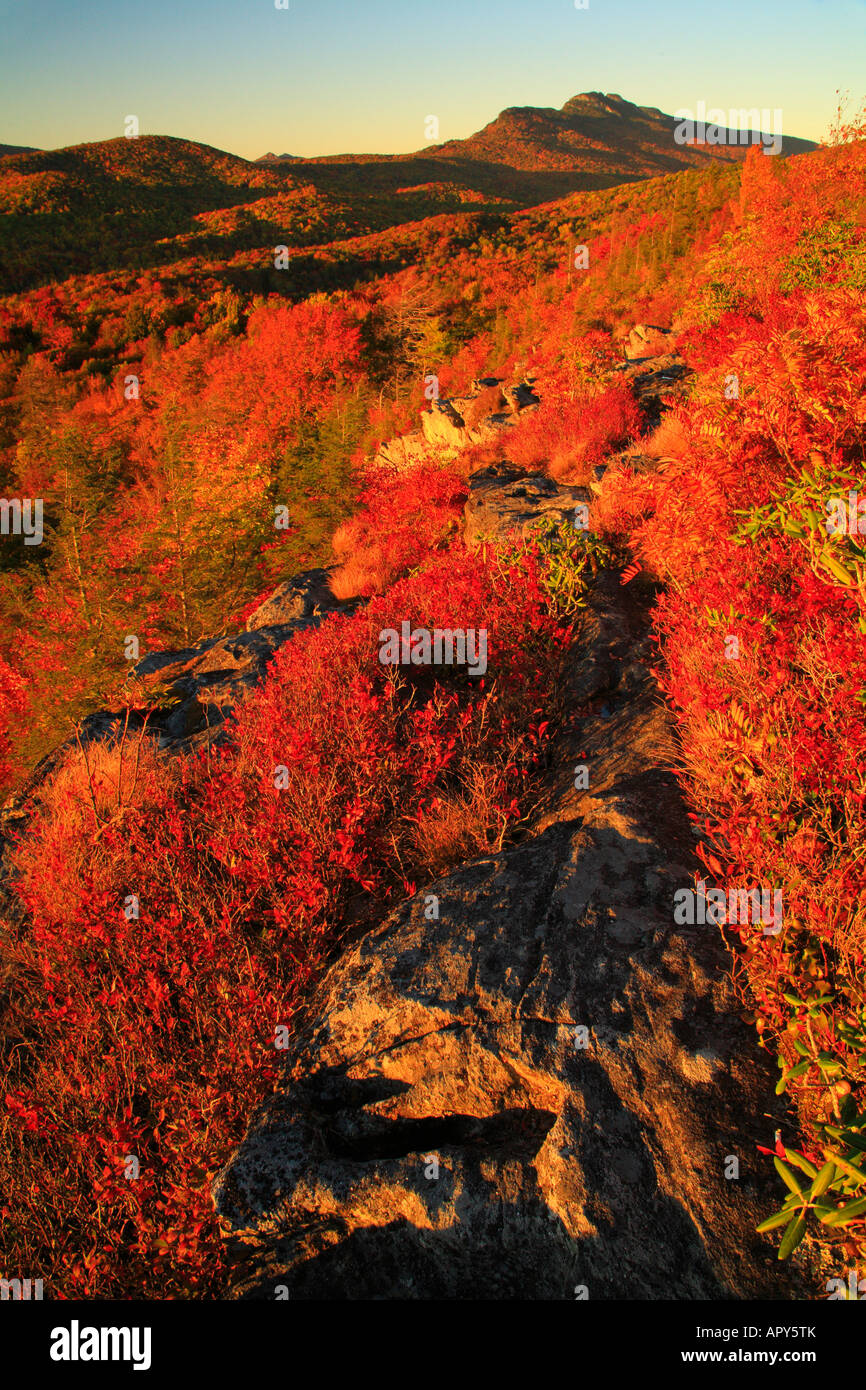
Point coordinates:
pixel 338 76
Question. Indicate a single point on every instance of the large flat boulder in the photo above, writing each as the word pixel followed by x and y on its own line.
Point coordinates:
pixel 505 500
pixel 303 596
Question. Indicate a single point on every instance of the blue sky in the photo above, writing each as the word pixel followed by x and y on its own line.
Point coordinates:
pixel 331 76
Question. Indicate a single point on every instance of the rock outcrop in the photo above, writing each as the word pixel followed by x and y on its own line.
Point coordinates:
pixel 188 694
pixel 657 383
pixel 402 453
pixel 504 500
pixel 304 596
pixel 528 1080
pixel 182 698
pixel 453 424
pixel 646 340
pixel 654 370
pixel 443 424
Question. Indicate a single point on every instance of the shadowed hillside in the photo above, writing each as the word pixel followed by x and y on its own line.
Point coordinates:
pixel 154 200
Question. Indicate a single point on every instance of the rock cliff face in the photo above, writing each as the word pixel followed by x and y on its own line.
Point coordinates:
pixel 528 1081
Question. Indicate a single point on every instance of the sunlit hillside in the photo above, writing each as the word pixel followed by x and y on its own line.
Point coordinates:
pixel 200 363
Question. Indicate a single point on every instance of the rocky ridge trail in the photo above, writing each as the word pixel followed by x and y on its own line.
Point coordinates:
pixel 527 1081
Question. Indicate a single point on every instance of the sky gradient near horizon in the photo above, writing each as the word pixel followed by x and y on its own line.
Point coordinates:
pixel 353 76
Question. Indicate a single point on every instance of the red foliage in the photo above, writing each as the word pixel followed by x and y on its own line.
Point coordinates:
pixel 763 652
pixel 569 436
pixel 155 1035
pixel 13 704
pixel 396 527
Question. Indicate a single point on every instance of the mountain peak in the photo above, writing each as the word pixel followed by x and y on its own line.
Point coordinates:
pixel 606 101
pixel 594 140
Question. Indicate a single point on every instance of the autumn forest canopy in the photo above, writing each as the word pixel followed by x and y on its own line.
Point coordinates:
pixel 200 358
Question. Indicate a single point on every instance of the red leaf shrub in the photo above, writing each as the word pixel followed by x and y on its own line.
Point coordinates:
pixel 569 436
pixel 178 911
pixel 396 528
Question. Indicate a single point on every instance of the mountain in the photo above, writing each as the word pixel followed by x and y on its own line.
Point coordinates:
pixel 17 149
pixel 145 202
pixel 157 199
pixel 133 174
pixel 604 137
pixel 531 153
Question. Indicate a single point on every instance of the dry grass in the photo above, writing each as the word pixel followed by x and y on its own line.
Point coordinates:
pixel 669 440
pixel 344 540
pixel 94 788
pixel 462 823
pixel 363 574
pixel 478 456
pixel 567 467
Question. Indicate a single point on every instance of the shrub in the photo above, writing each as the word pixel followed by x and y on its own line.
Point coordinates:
pixel 395 529
pixel 178 911
pixel 568 437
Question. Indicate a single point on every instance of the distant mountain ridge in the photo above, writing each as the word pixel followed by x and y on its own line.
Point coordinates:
pixel 596 138
pixel 157 199
pixel 18 149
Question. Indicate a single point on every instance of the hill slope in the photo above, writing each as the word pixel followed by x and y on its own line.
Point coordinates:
pixel 531 153
pixel 156 200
